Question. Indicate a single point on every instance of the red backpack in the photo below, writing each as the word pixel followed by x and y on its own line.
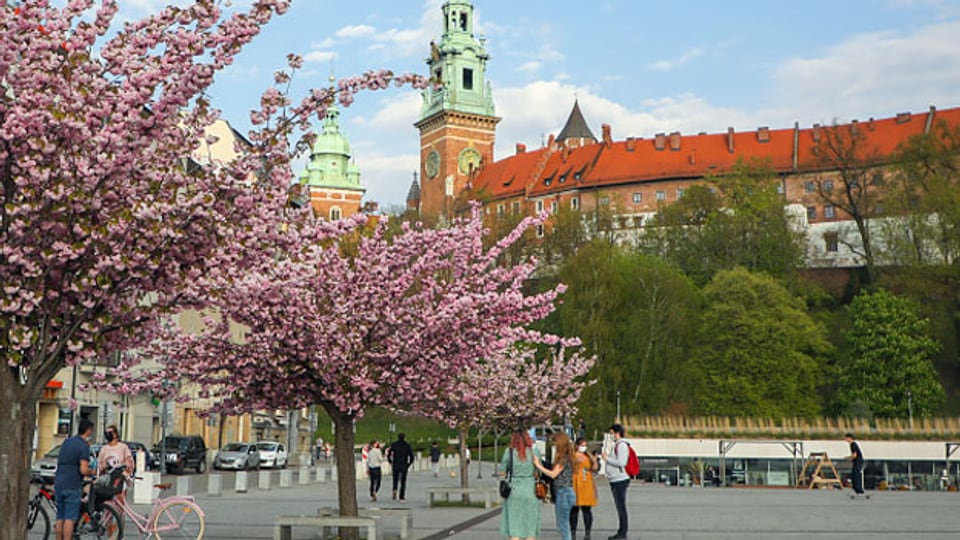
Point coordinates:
pixel 633 463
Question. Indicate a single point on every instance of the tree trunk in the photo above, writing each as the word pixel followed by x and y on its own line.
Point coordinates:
pixel 346 466
pixel 464 467
pixel 17 423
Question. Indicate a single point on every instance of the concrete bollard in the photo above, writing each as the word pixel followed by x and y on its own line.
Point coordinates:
pixel 143 490
pixel 183 486
pixel 321 474
pixel 241 482
pixel 286 478
pixel 333 473
pixel 304 476
pixel 264 481
pixel 215 485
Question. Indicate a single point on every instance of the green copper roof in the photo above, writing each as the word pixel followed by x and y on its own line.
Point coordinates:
pixel 459 60
pixel 330 164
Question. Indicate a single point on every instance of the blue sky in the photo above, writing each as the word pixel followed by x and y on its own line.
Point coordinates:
pixel 641 66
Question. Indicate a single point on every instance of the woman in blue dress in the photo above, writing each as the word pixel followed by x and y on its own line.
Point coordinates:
pixel 521 510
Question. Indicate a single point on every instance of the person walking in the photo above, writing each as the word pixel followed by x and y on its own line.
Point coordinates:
pixel 856 456
pixel 619 479
pixel 562 473
pixel 585 466
pixel 73 464
pixel 374 470
pixel 401 457
pixel 521 510
pixel 435 459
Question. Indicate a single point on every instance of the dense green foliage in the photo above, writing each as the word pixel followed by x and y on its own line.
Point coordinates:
pixel 888 368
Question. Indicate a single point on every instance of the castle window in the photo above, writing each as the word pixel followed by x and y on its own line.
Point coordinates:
pixel 463 22
pixel 516 207
pixel 828 185
pixel 808 186
pixel 828 212
pixel 604 201
pixel 638 197
pixel 335 213
pixel 540 230
pixel 661 195
pixel 575 203
pixel 832 242
pixel 553 207
pixel 539 207
pixel 811 213
pixel 679 193
pixel 467 79
pixel 499 209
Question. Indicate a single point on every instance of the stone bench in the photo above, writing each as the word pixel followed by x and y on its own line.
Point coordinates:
pixel 283 527
pixel 489 494
pixel 405 516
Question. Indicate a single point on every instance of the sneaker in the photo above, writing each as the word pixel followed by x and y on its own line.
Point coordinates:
pixel 403 500
pixel 394 494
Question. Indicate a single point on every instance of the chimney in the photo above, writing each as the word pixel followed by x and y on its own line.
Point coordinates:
pixel 660 141
pixel 855 127
pixel 675 141
pixel 521 148
pixel 903 118
pixel 730 139
pixel 929 124
pixel 816 133
pixel 550 141
pixel 631 144
pixel 796 145
pixel 763 134
pixel 870 124
pixel 607 139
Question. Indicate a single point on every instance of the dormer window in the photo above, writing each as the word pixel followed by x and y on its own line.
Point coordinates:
pixel 548 181
pixel 563 178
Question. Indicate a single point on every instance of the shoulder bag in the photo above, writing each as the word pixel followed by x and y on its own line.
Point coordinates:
pixel 505 484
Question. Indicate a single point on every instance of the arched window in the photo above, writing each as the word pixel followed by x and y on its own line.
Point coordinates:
pixel 335 213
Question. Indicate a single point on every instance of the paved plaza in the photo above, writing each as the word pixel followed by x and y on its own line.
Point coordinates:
pixel 656 512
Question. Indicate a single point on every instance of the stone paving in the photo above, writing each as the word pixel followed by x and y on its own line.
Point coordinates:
pixel 656 512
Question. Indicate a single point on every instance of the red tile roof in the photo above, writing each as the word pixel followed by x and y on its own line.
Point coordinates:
pixel 557 168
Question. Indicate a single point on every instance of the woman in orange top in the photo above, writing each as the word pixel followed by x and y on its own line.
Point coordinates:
pixel 584 467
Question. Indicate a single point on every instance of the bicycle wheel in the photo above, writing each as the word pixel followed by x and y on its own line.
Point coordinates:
pixel 105 524
pixel 179 519
pixel 38 521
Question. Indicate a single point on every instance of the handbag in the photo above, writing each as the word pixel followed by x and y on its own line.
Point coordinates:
pixel 505 486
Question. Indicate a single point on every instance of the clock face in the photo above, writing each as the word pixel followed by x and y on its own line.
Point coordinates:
pixel 432 166
pixel 470 158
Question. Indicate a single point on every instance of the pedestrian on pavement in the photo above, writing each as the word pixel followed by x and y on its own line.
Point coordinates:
pixel 401 457
pixel 562 473
pixel 521 510
pixel 73 464
pixel 435 459
pixel 856 456
pixel 582 430
pixel 114 454
pixel 584 487
pixel 619 479
pixel 374 471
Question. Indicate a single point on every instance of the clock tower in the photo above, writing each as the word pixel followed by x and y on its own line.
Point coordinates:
pixel 457 122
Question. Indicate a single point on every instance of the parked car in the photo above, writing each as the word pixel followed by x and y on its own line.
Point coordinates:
pixel 183 452
pixel 272 454
pixel 151 460
pixel 239 455
pixel 46 467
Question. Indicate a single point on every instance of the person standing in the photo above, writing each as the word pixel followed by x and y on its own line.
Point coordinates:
pixel 619 479
pixel 374 470
pixel 435 459
pixel 521 510
pixel 562 473
pixel 856 456
pixel 114 454
pixel 401 457
pixel 584 488
pixel 73 464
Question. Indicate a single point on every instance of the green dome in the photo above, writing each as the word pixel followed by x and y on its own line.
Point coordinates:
pixel 331 140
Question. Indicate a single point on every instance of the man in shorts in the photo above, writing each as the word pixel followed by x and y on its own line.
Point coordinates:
pixel 73 464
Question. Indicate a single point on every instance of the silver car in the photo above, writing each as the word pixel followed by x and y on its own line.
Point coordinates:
pixel 272 454
pixel 46 467
pixel 239 456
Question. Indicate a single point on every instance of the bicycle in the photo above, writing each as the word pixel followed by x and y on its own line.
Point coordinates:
pixel 96 521
pixel 38 518
pixel 174 517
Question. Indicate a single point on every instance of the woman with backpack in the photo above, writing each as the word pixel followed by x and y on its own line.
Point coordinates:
pixel 617 461
pixel 562 474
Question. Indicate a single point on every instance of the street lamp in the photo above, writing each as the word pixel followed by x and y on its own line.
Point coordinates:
pixel 618 406
pixel 910 407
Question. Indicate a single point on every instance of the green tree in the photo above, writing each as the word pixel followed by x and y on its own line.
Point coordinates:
pixel 637 315
pixel 888 366
pixel 760 353
pixel 734 220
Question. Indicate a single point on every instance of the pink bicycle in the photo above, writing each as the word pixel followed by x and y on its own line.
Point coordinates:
pixel 169 517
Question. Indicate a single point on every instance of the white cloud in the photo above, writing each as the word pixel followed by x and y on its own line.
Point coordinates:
pixel 530 67
pixel 356 31
pixel 873 74
pixel 326 43
pixel 319 56
pixel 666 65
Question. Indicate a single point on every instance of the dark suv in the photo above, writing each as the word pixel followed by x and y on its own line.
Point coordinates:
pixel 183 452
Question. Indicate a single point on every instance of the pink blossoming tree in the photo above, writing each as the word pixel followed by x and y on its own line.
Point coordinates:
pixel 102 226
pixel 353 321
